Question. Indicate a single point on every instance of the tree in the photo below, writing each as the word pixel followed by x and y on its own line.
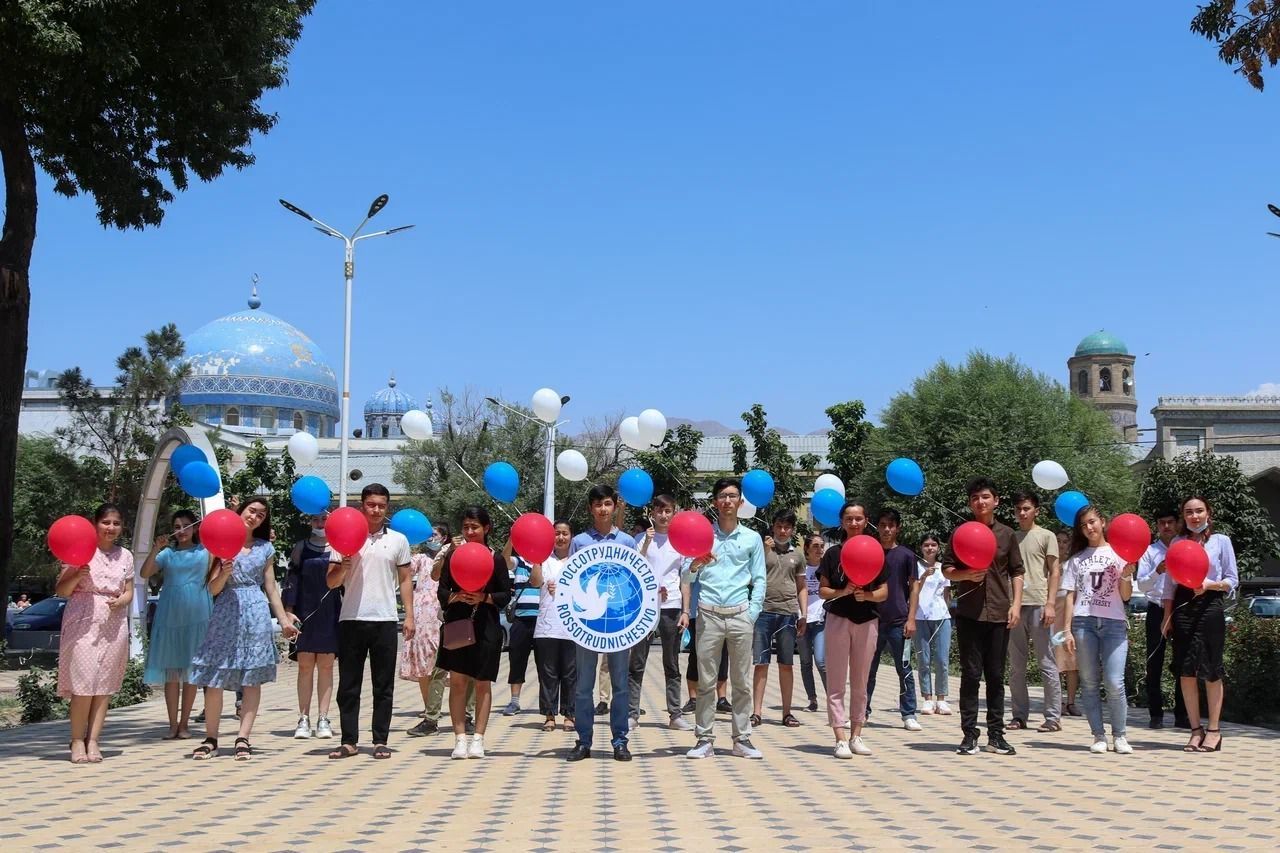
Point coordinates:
pixel 51 483
pixel 993 417
pixel 1244 40
pixel 673 466
pixel 122 101
pixel 769 452
pixel 848 436
pixel 263 476
pixel 1236 509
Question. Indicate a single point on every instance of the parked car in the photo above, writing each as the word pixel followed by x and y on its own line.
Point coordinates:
pixel 36 629
pixel 1265 606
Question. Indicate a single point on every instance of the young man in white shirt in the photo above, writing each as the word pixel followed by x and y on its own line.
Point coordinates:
pixel 367 621
pixel 1152 578
pixel 666 563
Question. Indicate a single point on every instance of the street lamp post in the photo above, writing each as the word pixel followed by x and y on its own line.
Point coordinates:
pixel 348 273
pixel 549 469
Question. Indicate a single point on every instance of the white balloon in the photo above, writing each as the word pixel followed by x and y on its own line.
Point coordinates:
pixel 546 405
pixel 829 481
pixel 653 426
pixel 1049 475
pixel 304 448
pixel 572 465
pixel 416 423
pixel 746 509
pixel 629 432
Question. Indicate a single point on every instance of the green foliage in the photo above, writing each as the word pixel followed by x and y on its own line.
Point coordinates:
pixel 792 477
pixel 1252 662
pixel 133 689
pixel 38 693
pixel 263 476
pixel 1235 506
pixel 672 465
pixel 1244 41
pixel 847 439
pixel 50 483
pixel 1135 666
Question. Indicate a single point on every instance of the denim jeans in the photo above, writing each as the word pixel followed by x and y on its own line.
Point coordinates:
pixel 774 630
pixel 1102 646
pixel 891 636
pixel 812 645
pixel 933 651
pixel 585 718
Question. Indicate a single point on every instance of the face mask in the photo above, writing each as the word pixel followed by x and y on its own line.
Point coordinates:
pixel 317 537
pixel 434 545
pixel 1201 529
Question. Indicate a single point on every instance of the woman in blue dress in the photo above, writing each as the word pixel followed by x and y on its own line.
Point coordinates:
pixel 182 615
pixel 314 608
pixel 239 649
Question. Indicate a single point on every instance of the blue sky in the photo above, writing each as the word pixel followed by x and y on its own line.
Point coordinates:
pixel 698 206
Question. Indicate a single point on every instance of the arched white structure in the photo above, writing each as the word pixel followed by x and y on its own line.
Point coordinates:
pixel 144 525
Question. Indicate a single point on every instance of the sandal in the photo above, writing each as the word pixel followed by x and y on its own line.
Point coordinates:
pixel 790 721
pixel 755 719
pixel 207 749
pixel 1050 726
pixel 245 752
pixel 1193 745
pixel 82 758
pixel 549 726
pixel 93 753
pixel 346 750
pixel 1217 747
pixel 381 752
pixel 1073 711
pixel 569 725
pixel 1016 723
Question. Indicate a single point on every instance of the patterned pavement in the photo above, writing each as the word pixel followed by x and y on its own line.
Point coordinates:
pixel 913 793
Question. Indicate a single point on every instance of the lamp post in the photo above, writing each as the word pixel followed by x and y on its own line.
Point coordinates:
pixel 549 470
pixel 348 273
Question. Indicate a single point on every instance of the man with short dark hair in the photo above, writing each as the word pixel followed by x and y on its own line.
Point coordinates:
pixel 900 571
pixel 667 565
pixel 786 595
pixel 1152 578
pixel 1041 576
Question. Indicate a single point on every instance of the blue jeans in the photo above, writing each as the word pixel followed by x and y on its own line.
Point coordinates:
pixel 1102 645
pixel 812 645
pixel 770 630
pixel 891 636
pixel 933 649
pixel 584 699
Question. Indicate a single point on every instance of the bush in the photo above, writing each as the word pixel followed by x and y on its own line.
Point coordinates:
pixel 133 689
pixel 38 694
pixel 1252 662
pixel 1135 668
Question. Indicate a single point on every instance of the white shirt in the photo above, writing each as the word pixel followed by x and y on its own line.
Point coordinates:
pixel 1222 564
pixel 370 589
pixel 666 563
pixel 1093 574
pixel 817 613
pixel 1151 583
pixel 549 625
pixel 932 605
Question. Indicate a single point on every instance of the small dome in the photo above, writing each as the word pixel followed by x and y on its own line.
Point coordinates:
pixel 1102 342
pixel 389 401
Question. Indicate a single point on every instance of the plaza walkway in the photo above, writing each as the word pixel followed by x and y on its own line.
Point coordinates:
pixel 913 793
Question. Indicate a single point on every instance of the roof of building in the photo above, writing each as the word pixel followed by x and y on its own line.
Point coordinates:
pixel 389 401
pixel 1101 342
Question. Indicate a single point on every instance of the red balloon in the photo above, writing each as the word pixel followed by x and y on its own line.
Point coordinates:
pixel 471 566
pixel 73 539
pixel 222 533
pixel 1188 563
pixel 1129 536
pixel 533 537
pixel 975 545
pixel 862 558
pixel 346 530
pixel 691 534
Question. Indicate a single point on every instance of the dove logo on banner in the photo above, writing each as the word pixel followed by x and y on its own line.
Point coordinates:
pixel 607 597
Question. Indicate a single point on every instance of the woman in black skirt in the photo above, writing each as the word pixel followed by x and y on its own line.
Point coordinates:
pixel 1198 622
pixel 477 662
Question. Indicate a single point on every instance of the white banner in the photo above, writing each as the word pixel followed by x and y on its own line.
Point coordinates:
pixel 607 597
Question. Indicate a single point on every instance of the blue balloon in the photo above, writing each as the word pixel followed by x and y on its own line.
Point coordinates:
pixel 310 495
pixel 825 507
pixel 199 479
pixel 905 476
pixel 757 487
pixel 636 486
pixel 185 454
pixel 413 524
pixel 1068 505
pixel 501 482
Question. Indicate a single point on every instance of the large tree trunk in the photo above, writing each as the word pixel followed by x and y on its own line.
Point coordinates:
pixel 15 308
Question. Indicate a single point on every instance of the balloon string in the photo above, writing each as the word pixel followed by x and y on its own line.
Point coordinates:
pixel 501 508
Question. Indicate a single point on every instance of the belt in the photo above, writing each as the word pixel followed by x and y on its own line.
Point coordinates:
pixel 724 611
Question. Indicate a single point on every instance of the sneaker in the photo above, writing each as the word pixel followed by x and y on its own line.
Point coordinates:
pixel 812 706
pixel 942 708
pixel 469 726
pixel 689 707
pixel 1156 723
pixel 632 722
pixel 859 746
pixel 968 746
pixel 723 707
pixel 744 749
pixel 424 728
pixel 842 749
pixel 1099 746
pixel 198 718
pixel 926 708
pixel 323 728
pixel 476 748
pixel 602 707
pixel 998 745
pixel 512 708
pixel 911 725
pixel 303 731
pixel 460 746
pixel 704 749
pixel 680 724
pixel 1122 746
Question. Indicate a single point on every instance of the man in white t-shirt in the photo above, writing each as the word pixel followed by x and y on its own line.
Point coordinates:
pixel 367 621
pixel 666 563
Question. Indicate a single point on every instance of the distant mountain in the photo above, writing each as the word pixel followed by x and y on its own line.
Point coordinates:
pixel 717 429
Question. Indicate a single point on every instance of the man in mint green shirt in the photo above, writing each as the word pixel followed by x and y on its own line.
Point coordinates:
pixel 731 581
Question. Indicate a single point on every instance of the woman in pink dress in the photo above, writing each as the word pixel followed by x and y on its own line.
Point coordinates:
pixel 419 660
pixel 95 634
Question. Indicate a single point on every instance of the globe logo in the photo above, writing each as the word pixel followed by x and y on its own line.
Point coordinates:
pixel 607 597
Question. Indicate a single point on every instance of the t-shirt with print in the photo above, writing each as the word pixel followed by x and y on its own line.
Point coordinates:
pixel 932 604
pixel 781 568
pixel 1093 574
pixel 1036 545
pixel 817 613
pixel 900 569
pixel 370 588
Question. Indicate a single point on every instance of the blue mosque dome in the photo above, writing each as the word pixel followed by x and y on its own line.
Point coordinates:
pixel 255 373
pixel 383 410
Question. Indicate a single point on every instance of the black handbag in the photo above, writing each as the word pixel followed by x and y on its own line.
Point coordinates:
pixel 459 633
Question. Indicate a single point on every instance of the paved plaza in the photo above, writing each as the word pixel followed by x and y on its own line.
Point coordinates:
pixel 913 793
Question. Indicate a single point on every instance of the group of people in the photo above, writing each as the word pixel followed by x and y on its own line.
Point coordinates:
pixel 749 599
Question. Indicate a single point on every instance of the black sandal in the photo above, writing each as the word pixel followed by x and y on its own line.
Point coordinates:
pixel 346 750
pixel 1017 723
pixel 245 752
pixel 1217 747
pixel 755 719
pixel 790 721
pixel 207 749
pixel 1193 745
pixel 380 751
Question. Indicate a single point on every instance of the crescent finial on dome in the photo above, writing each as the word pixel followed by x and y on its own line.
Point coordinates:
pixel 254 302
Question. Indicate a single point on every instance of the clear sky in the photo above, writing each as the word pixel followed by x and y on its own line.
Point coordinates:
pixel 698 206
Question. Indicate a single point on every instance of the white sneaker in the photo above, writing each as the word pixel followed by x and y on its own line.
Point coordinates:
pixel 911 725
pixel 680 724
pixel 744 749
pixel 303 731
pixel 1099 746
pixel 632 722
pixel 704 749
pixel 942 708
pixel 323 729
pixel 926 708
pixel 476 749
pixel 1122 746
pixel 860 748
pixel 842 749
pixel 460 746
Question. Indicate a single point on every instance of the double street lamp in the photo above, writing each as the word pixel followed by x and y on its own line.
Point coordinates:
pixel 549 473
pixel 348 273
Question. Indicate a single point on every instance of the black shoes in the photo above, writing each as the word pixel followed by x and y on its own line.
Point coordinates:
pixel 813 705
pixel 602 708
pixel 723 707
pixel 1156 723
pixel 998 745
pixel 689 707
pixel 579 752
pixel 968 746
pixel 621 753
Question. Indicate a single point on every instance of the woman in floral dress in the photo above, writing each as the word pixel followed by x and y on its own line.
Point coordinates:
pixel 419 660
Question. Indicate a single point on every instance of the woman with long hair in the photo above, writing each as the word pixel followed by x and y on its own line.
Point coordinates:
pixel 239 649
pixel 418 663
pixel 1065 659
pixel 182 617
pixel 313 607
pixel 94 646
pixel 931 620
pixel 1197 620
pixel 812 643
pixel 554 653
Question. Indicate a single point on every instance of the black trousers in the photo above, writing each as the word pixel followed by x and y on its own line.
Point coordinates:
pixel 984 648
pixel 1156 646
pixel 557 663
pixel 519 647
pixel 376 641
pixel 669 633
